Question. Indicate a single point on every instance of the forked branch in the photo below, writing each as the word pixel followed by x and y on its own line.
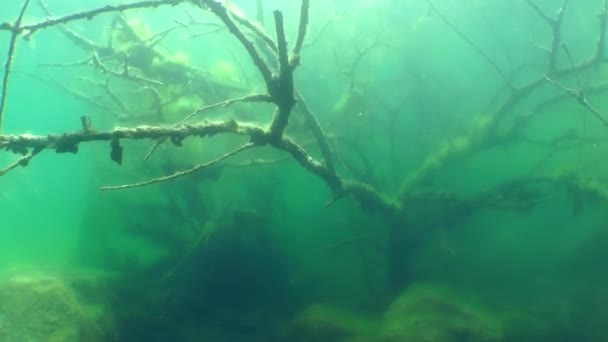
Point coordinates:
pixel 15 29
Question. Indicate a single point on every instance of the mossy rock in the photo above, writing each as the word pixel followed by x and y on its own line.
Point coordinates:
pixel 435 313
pixel 322 323
pixel 37 308
pixel 423 313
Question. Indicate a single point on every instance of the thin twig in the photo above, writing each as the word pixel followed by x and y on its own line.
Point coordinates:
pixel 9 60
pixel 257 30
pixel 259 10
pixel 361 53
pixel 32 28
pixel 226 103
pixel 23 161
pixel 75 37
pixel 180 173
pixel 472 44
pixel 250 98
pixel 257 162
pixel 555 25
pixel 581 99
pixel 125 74
pixel 540 12
pixel 601 40
pixel 154 147
pixel 314 125
pixel 302 27
pixel 80 96
pixel 193 35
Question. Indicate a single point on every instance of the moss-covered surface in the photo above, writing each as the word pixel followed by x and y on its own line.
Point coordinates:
pixel 422 313
pixel 37 307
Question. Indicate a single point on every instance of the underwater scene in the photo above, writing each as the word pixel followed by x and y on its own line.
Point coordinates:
pixel 304 170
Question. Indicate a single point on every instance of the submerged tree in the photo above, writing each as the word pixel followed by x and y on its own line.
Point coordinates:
pixel 174 94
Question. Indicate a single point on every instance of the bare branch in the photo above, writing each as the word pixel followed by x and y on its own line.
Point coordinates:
pixel 472 44
pixel 361 53
pixel 75 37
pixel 303 26
pixel 78 95
pixel 259 10
pixel 126 74
pixel 226 103
pixel 556 28
pixel 258 162
pixel 281 44
pixel 32 28
pixel 180 173
pixel 282 89
pixel 314 125
pixel 593 89
pixel 68 142
pixel 581 99
pixel 23 161
pixel 218 9
pixel 540 12
pixel 309 115
pixel 601 40
pixel 9 60
pixel 257 30
pixel 250 98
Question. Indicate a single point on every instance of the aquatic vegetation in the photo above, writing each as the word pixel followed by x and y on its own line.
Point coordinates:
pixel 225 72
pixel 319 323
pixel 439 314
pixel 125 37
pixel 424 312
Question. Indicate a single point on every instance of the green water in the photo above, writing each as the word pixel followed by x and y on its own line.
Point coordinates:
pixel 487 160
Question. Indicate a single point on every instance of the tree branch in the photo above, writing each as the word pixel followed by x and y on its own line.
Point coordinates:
pixel 9 60
pixel 601 40
pixel 472 44
pixel 556 28
pixel 180 173
pixel 23 161
pixel 219 10
pixel 226 103
pixel 282 89
pixel 302 27
pixel 580 99
pixel 314 125
pixel 32 28
pixel 68 142
pixel 257 30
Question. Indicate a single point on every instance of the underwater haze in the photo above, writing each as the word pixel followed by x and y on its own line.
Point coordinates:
pixel 304 170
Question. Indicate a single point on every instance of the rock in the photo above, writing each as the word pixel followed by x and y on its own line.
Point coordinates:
pixel 323 323
pixel 37 308
pixel 434 313
pixel 423 313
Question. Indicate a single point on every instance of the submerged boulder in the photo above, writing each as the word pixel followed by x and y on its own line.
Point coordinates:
pixel 43 308
pixel 422 313
pixel 435 313
pixel 323 323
